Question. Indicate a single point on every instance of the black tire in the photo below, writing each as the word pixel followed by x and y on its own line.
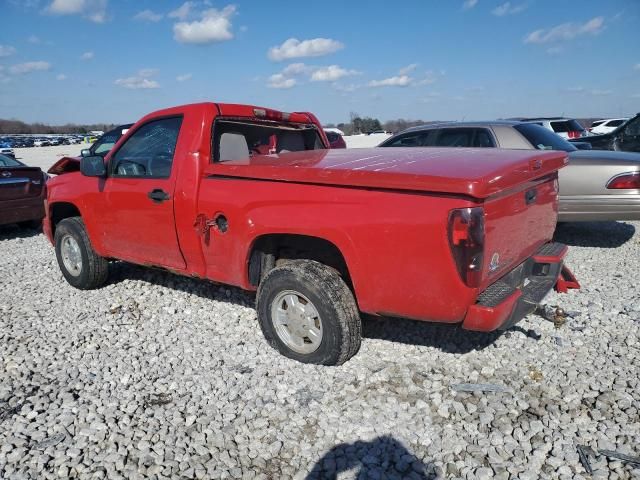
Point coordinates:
pixel 31 224
pixel 331 297
pixel 94 268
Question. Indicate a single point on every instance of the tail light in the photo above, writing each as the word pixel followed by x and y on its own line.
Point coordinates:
pixel 575 134
pixel 625 181
pixel 466 239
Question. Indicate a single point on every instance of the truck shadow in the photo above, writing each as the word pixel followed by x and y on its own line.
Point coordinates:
pixel 594 234
pixel 120 271
pixel 382 457
pixel 11 231
pixel 444 337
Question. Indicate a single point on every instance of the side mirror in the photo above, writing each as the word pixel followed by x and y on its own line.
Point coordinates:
pixel 93 166
pixel 85 152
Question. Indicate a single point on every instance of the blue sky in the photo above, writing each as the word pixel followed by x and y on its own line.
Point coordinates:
pixel 115 60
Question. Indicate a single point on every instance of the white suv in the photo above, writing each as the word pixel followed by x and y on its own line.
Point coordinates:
pixel 606 126
pixel 565 127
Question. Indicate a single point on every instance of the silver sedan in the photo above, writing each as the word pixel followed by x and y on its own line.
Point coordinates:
pixel 596 185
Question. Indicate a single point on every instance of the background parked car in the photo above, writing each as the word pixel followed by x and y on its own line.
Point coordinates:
pixel 595 185
pixel 606 126
pixel 22 193
pixel 625 138
pixel 335 139
pixel 565 127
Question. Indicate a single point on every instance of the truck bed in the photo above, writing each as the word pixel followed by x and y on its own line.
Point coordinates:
pixel 477 173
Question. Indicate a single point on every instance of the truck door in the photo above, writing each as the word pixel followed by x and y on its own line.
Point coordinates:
pixel 138 222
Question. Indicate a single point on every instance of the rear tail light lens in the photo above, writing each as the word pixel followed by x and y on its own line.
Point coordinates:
pixel 625 181
pixel 575 134
pixel 466 239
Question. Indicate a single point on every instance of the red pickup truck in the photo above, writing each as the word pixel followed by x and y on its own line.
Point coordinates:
pixel 252 197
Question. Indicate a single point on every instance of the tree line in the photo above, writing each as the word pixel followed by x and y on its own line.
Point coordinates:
pixel 12 127
pixel 358 125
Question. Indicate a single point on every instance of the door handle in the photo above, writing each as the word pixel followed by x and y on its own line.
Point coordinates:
pixel 158 195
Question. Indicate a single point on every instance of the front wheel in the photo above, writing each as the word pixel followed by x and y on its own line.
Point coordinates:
pixel 81 266
pixel 307 312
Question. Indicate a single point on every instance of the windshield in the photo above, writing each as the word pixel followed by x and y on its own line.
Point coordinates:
pixel 8 162
pixel 543 139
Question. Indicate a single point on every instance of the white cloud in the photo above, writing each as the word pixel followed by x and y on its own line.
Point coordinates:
pixel 507 8
pixel 94 10
pixel 87 56
pixel 182 12
pixel 352 87
pixel 33 39
pixel 215 26
pixel 28 67
pixel 601 93
pixel 278 80
pixel 61 76
pixel 468 4
pixel 148 16
pixel 429 78
pixel 408 69
pixel 294 48
pixel 566 31
pixel 331 73
pixel 578 89
pixel 139 81
pixel 297 69
pixel 636 66
pixel 635 95
pixel 184 78
pixel 396 81
pixel 7 50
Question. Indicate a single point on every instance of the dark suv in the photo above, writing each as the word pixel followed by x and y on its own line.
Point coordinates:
pixel 625 138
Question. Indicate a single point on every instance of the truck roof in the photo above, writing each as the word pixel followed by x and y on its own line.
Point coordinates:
pixel 477 173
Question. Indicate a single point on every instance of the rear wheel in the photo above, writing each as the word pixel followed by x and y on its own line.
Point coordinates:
pixel 81 266
pixel 307 312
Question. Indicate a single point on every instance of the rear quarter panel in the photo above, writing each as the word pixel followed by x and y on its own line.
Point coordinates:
pixel 395 244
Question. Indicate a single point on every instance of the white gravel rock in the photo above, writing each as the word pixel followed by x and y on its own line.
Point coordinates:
pixel 157 376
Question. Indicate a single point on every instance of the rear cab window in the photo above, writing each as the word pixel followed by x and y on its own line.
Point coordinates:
pixel 242 138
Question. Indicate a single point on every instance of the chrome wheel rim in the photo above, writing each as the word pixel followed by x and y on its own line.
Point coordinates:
pixel 71 255
pixel 296 321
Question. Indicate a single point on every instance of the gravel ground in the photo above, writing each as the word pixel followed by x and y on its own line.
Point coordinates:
pixel 157 376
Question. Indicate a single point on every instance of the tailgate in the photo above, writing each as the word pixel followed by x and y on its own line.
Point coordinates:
pixel 517 223
pixel 20 182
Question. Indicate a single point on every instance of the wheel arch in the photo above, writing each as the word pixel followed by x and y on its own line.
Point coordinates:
pixel 271 249
pixel 58 211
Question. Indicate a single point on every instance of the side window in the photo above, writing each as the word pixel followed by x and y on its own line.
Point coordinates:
pixel 483 138
pixel 149 151
pixel 454 137
pixel 416 139
pixel 408 140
